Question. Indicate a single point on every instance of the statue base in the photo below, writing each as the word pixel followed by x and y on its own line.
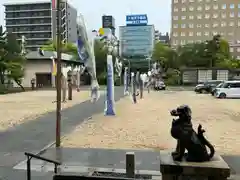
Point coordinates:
pixel 216 169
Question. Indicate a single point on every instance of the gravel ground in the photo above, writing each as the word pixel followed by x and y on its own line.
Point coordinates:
pixel 146 125
pixel 23 107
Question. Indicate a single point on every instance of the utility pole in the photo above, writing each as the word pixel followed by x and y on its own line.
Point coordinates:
pixel 59 76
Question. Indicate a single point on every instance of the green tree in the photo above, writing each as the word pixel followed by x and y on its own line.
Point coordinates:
pixel 68 48
pixel 166 56
pixel 101 61
pixel 11 60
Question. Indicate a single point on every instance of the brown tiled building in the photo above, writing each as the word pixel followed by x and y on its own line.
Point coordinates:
pixel 199 20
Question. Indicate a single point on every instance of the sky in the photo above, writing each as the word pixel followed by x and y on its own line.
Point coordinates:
pixel 158 11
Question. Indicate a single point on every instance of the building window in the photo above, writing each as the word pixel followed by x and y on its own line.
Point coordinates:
pixel 199 16
pixel 175 9
pixel 183 42
pixel 190 33
pixel 231 14
pixel 215 33
pixel 215 16
pixel 207 0
pixel 191 8
pixel 183 25
pixel 238 49
pixel 238 14
pixel 223 15
pixel 223 24
pixel 199 25
pixel 183 1
pixel 175 1
pixel 175 34
pixel 230 33
pixel 199 33
pixel 215 25
pixel 231 49
pixel 191 0
pixel 207 16
pixel 191 26
pixel 224 6
pixel 231 6
pixel 206 33
pixel 222 34
pixel 183 9
pixel 199 8
pixel 238 57
pixel 190 41
pixel 191 17
pixel 175 26
pixel 183 34
pixel 231 24
pixel 207 25
pixel 215 7
pixel 175 17
pixel 238 23
pixel 207 7
pixel 183 17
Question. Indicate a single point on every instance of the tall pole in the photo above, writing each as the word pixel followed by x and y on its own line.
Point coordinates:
pixel 59 77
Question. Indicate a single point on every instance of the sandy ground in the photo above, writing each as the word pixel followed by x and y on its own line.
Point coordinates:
pixel 22 107
pixel 147 124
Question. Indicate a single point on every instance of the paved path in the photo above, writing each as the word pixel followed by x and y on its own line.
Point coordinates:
pixel 35 135
pixel 92 160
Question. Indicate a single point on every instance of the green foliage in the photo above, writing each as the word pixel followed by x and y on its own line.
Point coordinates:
pixel 11 60
pixel 212 53
pixel 68 48
pixel 100 57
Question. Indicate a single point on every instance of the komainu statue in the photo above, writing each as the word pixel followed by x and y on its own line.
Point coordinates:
pixel 187 139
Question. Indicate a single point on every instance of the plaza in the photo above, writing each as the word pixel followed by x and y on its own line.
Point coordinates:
pixel 143 128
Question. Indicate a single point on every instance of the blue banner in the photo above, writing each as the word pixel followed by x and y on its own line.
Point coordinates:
pixel 82 53
pixel 109 111
pixel 137 19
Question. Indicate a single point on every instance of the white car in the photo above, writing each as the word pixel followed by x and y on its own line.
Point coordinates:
pixel 228 89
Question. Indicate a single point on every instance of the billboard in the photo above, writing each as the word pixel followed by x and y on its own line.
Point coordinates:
pixel 108 22
pixel 136 20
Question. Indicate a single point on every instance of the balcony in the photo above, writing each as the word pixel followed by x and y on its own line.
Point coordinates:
pixel 32 31
pixel 28 22
pixel 20 25
pixel 35 6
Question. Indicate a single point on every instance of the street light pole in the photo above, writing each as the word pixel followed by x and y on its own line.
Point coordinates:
pixel 59 77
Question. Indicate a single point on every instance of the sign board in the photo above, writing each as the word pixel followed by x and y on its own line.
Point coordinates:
pixel 108 22
pixel 136 20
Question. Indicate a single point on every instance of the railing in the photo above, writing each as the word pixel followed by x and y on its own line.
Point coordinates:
pixel 130 169
pixel 30 156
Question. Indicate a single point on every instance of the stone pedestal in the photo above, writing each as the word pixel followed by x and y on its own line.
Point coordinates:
pixel 216 169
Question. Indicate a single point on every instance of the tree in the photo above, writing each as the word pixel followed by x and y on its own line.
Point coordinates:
pixel 166 56
pixel 11 60
pixel 101 61
pixel 68 48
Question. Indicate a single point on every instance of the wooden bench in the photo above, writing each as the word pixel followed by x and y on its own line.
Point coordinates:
pixel 216 169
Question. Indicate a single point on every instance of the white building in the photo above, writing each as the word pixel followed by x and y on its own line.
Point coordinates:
pixel 40 68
